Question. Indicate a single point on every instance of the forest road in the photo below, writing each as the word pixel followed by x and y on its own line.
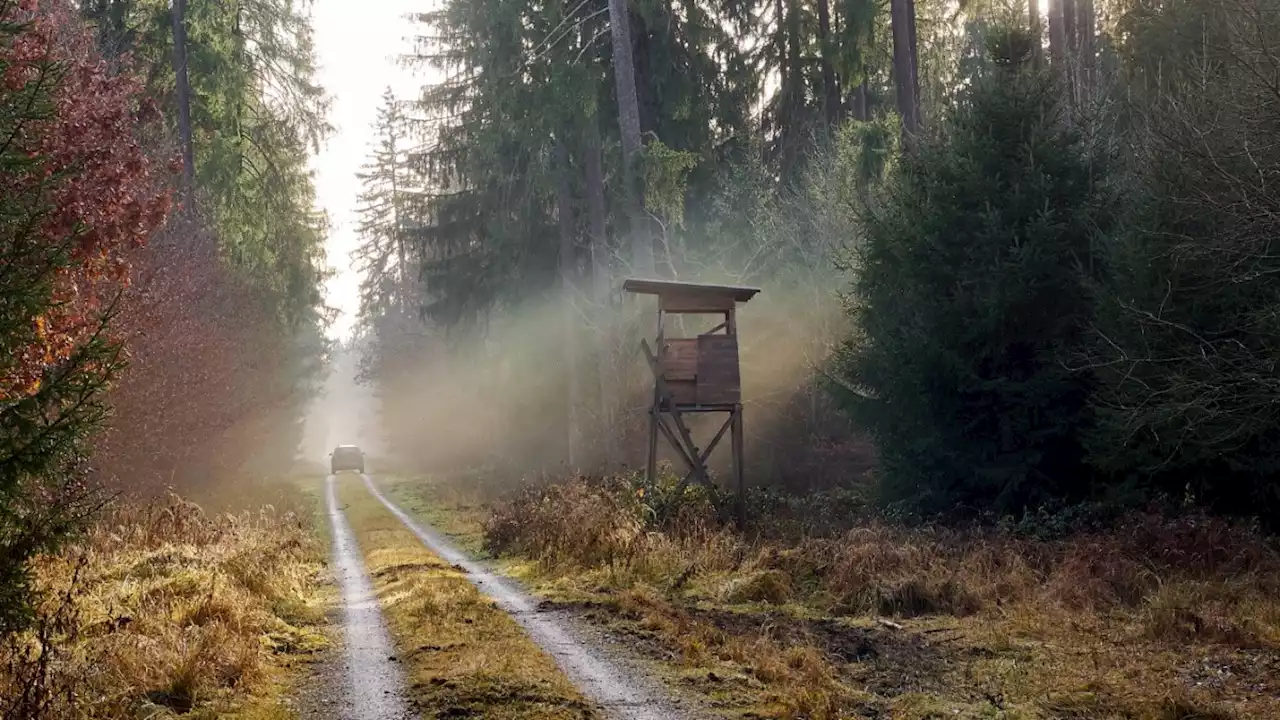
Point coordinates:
pixel 372 685
pixel 610 677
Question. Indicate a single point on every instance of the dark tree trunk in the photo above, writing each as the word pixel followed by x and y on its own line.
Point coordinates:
pixel 792 126
pixel 904 74
pixel 830 90
pixel 629 126
pixel 596 217
pixel 1070 27
pixel 1057 34
pixel 1037 33
pixel 860 100
pixel 183 86
pixel 915 58
pixel 1088 45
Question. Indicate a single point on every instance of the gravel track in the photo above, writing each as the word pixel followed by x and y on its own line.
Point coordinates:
pixel 611 678
pixel 372 682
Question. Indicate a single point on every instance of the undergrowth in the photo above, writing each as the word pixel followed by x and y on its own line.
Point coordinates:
pixel 1149 617
pixel 164 610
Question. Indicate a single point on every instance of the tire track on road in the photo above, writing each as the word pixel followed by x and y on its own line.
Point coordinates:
pixel 375 686
pixel 620 687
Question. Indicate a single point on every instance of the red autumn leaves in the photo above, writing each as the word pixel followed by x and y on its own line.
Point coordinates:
pixel 79 192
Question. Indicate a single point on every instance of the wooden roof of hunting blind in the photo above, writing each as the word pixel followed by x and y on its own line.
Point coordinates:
pixel 675 296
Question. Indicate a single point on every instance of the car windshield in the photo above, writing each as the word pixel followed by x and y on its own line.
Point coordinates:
pixel 346 453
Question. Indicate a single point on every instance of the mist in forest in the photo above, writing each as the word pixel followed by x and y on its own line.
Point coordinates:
pixel 496 403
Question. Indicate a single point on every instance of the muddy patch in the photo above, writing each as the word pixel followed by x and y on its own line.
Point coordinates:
pixel 884 661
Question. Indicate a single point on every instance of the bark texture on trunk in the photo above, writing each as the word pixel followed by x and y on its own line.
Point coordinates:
pixel 1088 44
pixel 601 279
pixel 1057 33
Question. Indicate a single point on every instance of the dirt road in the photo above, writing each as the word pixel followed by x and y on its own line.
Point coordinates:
pixel 372 683
pixel 612 679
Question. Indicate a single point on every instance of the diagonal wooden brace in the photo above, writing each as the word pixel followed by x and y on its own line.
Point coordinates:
pixel 677 443
pixel 706 454
pixel 688 450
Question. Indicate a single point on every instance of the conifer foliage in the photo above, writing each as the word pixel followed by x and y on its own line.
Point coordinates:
pixel 77 193
pixel 972 293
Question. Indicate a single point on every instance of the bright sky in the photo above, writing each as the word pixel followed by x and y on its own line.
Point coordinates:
pixel 357 44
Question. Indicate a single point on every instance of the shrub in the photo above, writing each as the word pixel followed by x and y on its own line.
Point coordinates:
pixel 1185 341
pixel 76 194
pixel 970 293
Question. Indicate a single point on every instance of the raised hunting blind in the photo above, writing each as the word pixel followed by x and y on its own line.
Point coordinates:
pixel 695 375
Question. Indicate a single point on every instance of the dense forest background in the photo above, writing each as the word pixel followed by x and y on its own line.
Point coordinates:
pixel 1017 275
pixel 1014 257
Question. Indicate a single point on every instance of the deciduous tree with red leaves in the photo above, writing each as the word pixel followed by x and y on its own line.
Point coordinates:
pixel 77 195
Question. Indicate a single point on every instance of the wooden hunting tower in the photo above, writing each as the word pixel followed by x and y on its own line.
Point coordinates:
pixel 695 375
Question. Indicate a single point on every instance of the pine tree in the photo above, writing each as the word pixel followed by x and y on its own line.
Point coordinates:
pixel 971 293
pixel 384 211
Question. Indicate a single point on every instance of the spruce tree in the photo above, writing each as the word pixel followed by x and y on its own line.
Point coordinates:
pixel 970 294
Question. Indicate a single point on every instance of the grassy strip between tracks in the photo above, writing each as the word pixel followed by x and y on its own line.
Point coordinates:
pixel 463 656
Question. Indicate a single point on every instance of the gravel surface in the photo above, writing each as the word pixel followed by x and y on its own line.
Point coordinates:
pixel 615 680
pixel 366 683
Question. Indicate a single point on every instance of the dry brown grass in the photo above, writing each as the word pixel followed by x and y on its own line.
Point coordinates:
pixel 464 656
pixel 164 611
pixel 1155 620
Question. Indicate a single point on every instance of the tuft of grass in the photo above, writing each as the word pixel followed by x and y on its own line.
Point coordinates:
pixel 163 610
pixel 1154 619
pixel 463 655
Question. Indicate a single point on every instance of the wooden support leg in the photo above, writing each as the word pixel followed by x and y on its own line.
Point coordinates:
pixel 739 472
pixel 652 468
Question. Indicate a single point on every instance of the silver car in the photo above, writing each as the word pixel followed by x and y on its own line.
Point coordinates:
pixel 346 457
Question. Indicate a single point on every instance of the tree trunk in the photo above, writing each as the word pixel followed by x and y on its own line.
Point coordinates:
pixel 1037 33
pixel 904 74
pixel 830 91
pixel 860 97
pixel 1057 34
pixel 1069 28
pixel 596 219
pixel 1088 45
pixel 915 59
pixel 568 263
pixel 791 128
pixel 624 76
pixel 600 278
pixel 179 12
